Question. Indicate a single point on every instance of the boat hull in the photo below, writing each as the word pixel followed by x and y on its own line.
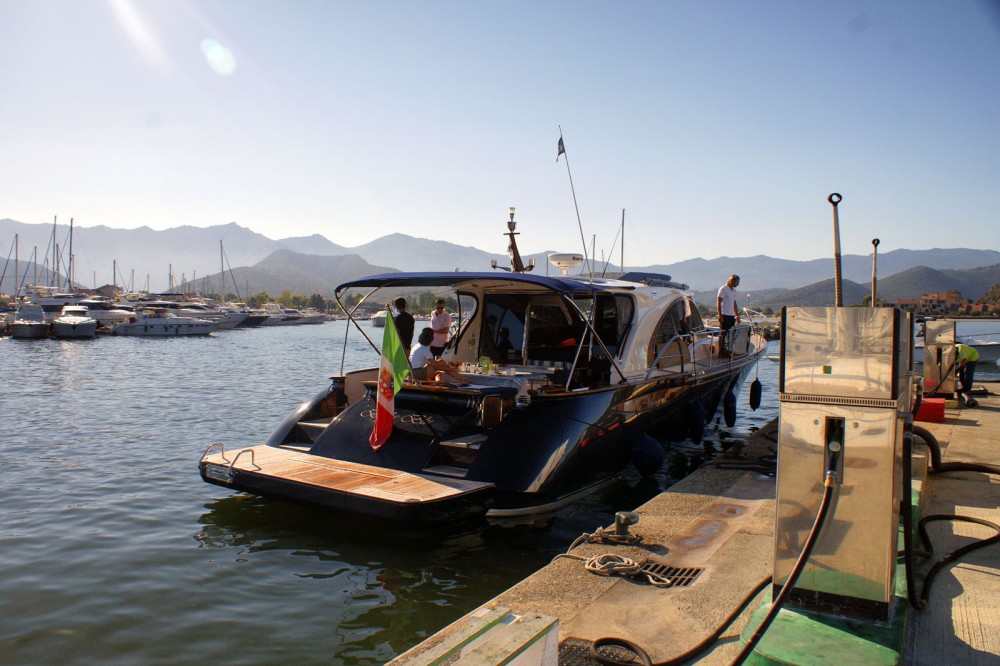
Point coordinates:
pixel 70 329
pixel 29 330
pixel 538 456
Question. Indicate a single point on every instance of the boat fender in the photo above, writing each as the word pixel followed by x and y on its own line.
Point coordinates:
pixel 647 455
pixel 729 409
pixel 755 391
pixel 696 416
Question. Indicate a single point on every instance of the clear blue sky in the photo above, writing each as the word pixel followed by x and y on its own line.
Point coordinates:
pixel 721 127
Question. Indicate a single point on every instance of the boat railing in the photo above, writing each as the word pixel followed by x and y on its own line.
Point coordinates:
pixel 222 451
pixel 688 349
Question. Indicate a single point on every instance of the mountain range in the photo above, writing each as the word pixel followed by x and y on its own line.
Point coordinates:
pixel 314 264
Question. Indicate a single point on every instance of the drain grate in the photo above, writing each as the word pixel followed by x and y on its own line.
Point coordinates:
pixel 678 576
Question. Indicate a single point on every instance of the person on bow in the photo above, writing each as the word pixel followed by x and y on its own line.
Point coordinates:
pixel 729 313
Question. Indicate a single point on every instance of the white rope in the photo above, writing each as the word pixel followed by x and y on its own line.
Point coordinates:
pixel 610 564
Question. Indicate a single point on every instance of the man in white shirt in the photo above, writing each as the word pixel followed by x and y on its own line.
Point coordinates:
pixel 441 324
pixel 729 313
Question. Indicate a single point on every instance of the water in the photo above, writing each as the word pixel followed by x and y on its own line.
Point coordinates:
pixel 112 549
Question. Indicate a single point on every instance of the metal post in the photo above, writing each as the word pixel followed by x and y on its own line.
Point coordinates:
pixel 835 199
pixel 875 243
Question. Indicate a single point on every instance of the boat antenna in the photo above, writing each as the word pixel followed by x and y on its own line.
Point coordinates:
pixel 562 151
pixel 516 264
pixel 621 232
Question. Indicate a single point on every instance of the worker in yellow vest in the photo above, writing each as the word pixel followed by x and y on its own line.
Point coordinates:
pixel 967 357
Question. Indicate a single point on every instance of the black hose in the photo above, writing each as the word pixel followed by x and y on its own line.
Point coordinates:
pixel 954 555
pixel 680 659
pixel 938 467
pixel 800 564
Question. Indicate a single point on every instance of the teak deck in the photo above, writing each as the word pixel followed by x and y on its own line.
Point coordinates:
pixel 347 477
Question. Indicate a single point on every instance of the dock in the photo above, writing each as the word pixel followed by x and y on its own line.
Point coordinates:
pixel 711 538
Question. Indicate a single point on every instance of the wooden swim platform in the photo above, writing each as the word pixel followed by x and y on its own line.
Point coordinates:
pixel 262 467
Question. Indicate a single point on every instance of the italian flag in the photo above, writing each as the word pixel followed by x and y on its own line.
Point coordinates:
pixel 392 371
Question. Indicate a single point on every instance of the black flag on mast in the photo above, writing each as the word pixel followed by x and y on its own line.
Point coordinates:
pixel 561 150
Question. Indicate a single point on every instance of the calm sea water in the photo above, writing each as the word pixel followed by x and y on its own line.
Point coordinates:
pixel 112 549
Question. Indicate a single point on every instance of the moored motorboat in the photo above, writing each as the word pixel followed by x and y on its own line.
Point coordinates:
pixel 107 312
pixel 160 322
pixel 581 370
pixel 29 322
pixel 74 322
pixel 378 319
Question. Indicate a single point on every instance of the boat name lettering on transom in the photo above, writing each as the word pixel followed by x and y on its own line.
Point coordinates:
pixel 415 419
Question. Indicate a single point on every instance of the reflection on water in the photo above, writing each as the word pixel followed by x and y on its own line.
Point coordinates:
pixel 113 550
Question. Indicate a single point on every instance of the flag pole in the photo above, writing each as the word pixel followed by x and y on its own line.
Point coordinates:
pixel 583 241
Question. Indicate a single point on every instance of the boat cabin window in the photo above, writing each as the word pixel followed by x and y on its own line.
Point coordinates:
pixel 681 318
pixel 502 328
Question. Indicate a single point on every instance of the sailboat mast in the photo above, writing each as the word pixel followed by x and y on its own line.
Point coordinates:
pixel 69 270
pixel 55 252
pixel 622 265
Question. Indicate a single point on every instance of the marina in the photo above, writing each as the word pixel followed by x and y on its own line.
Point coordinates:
pixel 98 469
pixel 149 540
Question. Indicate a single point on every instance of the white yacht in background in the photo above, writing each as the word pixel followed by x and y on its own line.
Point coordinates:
pixel 378 319
pixel 279 316
pixel 160 322
pixel 107 312
pixel 29 322
pixel 74 322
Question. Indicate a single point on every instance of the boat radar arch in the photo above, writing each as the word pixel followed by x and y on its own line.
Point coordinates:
pixel 565 261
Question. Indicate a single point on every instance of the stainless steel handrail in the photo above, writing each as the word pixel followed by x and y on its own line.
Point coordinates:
pixel 253 460
pixel 222 451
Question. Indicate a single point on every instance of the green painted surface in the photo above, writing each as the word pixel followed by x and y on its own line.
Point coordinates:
pixel 807 637
pixel 800 637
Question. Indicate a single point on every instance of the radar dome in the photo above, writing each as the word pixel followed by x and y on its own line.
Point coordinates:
pixel 565 261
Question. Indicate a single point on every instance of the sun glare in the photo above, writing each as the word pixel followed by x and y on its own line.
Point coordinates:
pixel 219 58
pixel 139 33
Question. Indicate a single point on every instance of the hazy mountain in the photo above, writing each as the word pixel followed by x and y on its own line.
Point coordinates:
pixel 822 294
pixel 305 274
pixel 143 255
pixel 763 272
pixel 314 244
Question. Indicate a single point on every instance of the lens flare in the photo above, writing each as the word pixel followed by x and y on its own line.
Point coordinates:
pixel 220 59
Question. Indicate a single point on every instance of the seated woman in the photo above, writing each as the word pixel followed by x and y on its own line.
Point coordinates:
pixel 425 366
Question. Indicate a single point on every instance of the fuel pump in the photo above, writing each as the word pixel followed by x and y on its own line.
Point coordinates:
pixel 845 395
pixel 939 357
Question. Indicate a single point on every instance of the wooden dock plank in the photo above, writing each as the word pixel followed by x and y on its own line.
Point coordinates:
pixel 339 475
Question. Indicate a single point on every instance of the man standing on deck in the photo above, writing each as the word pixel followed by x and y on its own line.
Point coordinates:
pixel 729 314
pixel 404 324
pixel 441 324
